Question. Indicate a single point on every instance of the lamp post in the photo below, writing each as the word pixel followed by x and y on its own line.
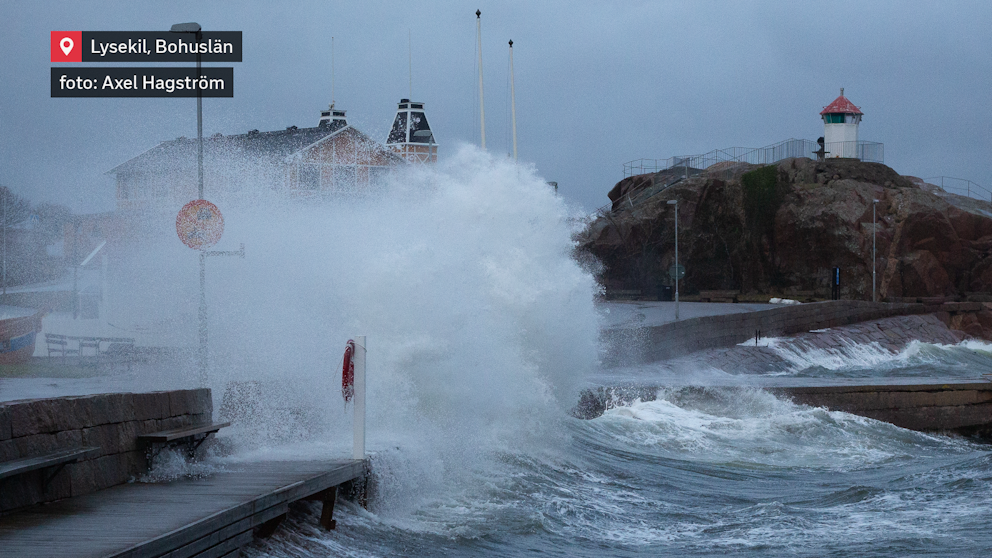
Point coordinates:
pixel 196 30
pixel 874 233
pixel 676 204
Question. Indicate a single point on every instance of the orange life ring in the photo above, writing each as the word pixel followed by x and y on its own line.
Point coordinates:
pixel 348 372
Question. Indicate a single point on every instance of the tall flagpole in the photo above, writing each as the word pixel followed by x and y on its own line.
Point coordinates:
pixel 332 72
pixel 482 101
pixel 513 104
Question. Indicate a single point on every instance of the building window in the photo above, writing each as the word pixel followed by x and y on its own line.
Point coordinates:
pixel 378 176
pixel 834 118
pixel 309 177
pixel 345 178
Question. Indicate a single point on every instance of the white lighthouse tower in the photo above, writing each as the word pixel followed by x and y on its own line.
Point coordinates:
pixel 411 135
pixel 840 128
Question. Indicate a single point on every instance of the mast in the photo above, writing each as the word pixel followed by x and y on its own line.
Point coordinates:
pixel 482 101
pixel 332 72
pixel 513 104
pixel 409 37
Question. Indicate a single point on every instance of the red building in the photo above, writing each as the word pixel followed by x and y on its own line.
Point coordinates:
pixel 330 159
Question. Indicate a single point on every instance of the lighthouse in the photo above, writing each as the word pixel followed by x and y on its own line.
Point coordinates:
pixel 840 128
pixel 411 136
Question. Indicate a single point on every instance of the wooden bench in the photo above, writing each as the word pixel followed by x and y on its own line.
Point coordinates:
pixel 92 343
pixel 58 460
pixel 58 344
pixel 718 296
pixel 190 436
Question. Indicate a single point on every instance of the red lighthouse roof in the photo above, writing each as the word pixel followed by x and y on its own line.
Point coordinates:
pixel 841 105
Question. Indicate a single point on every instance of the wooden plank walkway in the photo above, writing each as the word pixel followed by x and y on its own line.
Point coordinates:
pixel 211 516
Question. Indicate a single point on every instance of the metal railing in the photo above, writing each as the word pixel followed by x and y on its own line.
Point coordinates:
pixel 683 167
pixel 961 186
pixel 868 151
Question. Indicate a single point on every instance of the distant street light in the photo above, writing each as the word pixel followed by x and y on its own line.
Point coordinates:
pixel 197 31
pixel 194 28
pixel 874 233
pixel 676 204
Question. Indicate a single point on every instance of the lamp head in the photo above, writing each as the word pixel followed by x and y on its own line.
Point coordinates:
pixel 672 202
pixel 191 27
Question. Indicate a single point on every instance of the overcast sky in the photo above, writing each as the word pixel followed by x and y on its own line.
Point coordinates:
pixel 597 83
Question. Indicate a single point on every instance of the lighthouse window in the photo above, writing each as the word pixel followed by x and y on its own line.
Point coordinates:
pixel 398 133
pixel 834 118
pixel 420 129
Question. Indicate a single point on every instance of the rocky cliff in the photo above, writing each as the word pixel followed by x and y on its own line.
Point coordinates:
pixel 782 228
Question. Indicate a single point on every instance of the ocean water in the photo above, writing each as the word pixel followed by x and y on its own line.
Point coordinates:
pixel 475 453
pixel 482 330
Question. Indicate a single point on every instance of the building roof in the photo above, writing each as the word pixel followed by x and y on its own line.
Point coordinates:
pixel 274 146
pixel 841 105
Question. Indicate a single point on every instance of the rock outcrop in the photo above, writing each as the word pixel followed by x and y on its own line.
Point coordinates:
pixel 782 228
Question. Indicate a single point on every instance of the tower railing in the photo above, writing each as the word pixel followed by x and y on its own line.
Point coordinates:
pixel 869 151
pixel 682 167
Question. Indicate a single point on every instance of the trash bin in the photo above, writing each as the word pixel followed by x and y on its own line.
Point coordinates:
pixel 666 293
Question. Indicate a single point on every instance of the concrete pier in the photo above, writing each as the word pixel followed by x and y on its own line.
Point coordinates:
pixel 202 517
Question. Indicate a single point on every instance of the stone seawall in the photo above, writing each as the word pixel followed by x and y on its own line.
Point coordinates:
pixel 959 408
pixel 631 346
pixel 111 422
pixel 963 408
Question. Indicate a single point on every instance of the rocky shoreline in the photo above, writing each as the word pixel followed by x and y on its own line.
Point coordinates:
pixel 782 229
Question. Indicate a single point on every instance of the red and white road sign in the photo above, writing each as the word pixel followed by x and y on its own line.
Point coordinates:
pixel 199 224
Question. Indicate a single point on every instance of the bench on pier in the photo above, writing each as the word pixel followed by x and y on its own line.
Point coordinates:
pixel 190 437
pixel 718 296
pixel 58 460
pixel 58 345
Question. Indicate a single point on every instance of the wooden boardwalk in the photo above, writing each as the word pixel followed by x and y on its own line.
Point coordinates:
pixel 212 516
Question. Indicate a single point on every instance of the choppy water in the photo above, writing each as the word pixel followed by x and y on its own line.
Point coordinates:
pixel 735 472
pixel 490 464
pixel 482 330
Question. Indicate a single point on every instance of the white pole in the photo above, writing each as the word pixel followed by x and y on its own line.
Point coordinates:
pixel 332 73
pixel 482 102
pixel 513 104
pixel 676 260
pixel 359 446
pixel 874 233
pixel 675 202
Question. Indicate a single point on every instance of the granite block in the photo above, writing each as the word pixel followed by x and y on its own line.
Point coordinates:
pixel 6 432
pixel 154 405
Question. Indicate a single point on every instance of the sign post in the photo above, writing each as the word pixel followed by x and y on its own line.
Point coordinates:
pixel 200 225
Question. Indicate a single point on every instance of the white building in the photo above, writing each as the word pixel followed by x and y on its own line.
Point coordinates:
pixel 840 128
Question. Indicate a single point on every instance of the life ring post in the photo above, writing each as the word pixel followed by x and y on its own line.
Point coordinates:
pixel 358 451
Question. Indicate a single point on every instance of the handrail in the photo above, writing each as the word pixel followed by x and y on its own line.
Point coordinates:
pixel 868 151
pixel 693 165
pixel 968 187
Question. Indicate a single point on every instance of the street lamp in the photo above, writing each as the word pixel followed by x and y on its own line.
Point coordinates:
pixel 676 204
pixel 195 29
pixel 874 233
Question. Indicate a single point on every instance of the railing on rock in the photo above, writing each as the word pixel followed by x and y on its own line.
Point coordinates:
pixel 960 186
pixel 868 151
pixel 683 167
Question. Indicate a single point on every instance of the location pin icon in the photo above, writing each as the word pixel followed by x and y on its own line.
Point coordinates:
pixel 66 45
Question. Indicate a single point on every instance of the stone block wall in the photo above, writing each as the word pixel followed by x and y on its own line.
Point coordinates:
pixel 960 408
pixel 111 422
pixel 651 344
